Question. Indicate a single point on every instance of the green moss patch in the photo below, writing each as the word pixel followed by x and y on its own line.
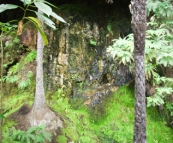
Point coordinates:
pixel 112 121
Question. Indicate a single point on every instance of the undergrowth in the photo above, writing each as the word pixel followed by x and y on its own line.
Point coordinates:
pixel 112 121
pixel 109 122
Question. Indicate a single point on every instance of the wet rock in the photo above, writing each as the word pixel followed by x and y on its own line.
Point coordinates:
pixel 76 53
pixel 28 36
pixel 94 96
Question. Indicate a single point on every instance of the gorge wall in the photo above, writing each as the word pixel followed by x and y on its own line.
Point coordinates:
pixel 75 59
pixel 76 56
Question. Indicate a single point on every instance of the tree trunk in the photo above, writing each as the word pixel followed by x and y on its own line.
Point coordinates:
pixel 39 91
pixel 40 112
pixel 138 10
pixel 2 92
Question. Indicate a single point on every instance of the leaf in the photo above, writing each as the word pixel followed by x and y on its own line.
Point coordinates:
pixel 57 17
pixel 39 139
pixel 49 4
pixel 109 27
pixel 13 79
pixel 26 2
pixel 93 42
pixel 35 20
pixel 30 57
pixel 1 116
pixel 31 136
pixel 32 130
pixel 152 6
pixel 30 74
pixel 47 136
pixel 4 7
pixel 42 126
pixel 44 37
pixel 44 8
pixel 23 85
pixel 46 20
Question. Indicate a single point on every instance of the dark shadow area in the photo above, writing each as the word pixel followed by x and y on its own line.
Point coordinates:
pixel 100 7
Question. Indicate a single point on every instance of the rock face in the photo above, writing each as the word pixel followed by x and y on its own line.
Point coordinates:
pixel 76 56
pixel 28 36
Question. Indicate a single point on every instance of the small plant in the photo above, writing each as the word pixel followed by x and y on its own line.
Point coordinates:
pixel 1 116
pixel 25 83
pixel 122 50
pixel 109 28
pixel 30 57
pixel 35 134
pixel 169 107
pixel 92 42
pixel 14 73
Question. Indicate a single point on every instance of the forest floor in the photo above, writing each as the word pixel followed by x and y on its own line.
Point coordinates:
pixel 108 122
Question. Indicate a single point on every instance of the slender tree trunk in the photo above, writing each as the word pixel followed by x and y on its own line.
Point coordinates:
pixel 139 27
pixel 2 92
pixel 40 112
pixel 40 100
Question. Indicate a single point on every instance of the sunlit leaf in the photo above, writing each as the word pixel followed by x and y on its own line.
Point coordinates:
pixel 4 7
pixel 43 8
pixel 46 20
pixel 25 2
pixel 44 37
pixel 57 17
pixel 35 20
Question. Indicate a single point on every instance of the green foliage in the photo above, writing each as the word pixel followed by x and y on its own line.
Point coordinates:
pixel 42 6
pixel 61 139
pixel 92 42
pixel 24 84
pixel 4 7
pixel 6 27
pixel 158 97
pixel 122 50
pixel 161 92
pixel 14 73
pixel 12 105
pixel 1 116
pixel 112 121
pixel 169 107
pixel 30 57
pixel 160 8
pixel 35 134
pixel 109 28
pixel 158 49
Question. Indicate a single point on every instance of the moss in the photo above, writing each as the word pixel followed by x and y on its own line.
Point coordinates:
pixel 62 139
pixel 157 131
pixel 111 121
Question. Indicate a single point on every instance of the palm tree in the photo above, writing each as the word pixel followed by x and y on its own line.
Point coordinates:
pixel 138 10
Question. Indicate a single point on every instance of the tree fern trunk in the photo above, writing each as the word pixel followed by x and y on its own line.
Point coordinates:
pixel 139 27
pixel 39 100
